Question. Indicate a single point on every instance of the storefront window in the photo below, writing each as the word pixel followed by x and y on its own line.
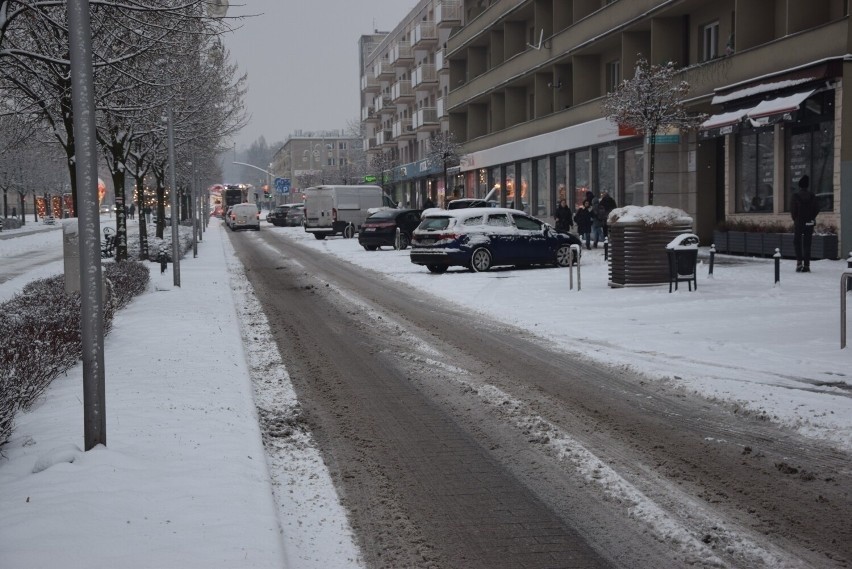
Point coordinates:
pixel 482 186
pixel 495 184
pixel 633 160
pixel 811 152
pixel 510 187
pixel 580 175
pixel 540 198
pixel 605 170
pixel 755 171
pixel 524 185
pixel 560 176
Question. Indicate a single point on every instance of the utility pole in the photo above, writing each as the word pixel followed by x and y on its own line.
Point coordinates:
pixel 91 294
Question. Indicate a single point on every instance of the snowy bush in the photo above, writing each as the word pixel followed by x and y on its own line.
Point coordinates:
pixel 40 328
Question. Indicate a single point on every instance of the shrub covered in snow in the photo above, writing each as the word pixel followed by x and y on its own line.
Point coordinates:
pixel 40 328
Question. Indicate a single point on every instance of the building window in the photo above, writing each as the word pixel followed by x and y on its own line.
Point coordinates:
pixel 613 75
pixel 540 197
pixel 710 41
pixel 341 146
pixel 581 175
pixel 755 171
pixel 810 150
pixel 605 170
pixel 633 180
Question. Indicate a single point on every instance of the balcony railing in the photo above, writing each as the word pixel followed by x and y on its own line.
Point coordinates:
pixel 441 64
pixel 424 75
pixel 448 13
pixel 403 128
pixel 401 54
pixel 367 113
pixel 383 103
pixel 441 108
pixel 369 143
pixel 384 137
pixel 369 82
pixel 425 118
pixel 382 68
pixel 402 90
pixel 425 34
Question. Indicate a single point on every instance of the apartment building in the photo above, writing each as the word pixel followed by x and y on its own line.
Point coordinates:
pixel 322 157
pixel 527 77
pixel 404 83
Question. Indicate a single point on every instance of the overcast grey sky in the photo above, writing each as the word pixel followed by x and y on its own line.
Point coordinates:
pixel 301 58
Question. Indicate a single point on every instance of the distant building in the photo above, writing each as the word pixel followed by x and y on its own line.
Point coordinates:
pixel 322 157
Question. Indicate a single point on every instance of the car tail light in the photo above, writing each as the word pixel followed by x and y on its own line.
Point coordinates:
pixel 334 214
pixel 380 224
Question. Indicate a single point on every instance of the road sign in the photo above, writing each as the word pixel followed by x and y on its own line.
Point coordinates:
pixel 282 186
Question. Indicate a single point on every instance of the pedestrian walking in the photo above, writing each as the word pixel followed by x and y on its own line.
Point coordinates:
pixel 804 208
pixel 147 212
pixel 583 217
pixel 428 203
pixel 132 210
pixel 564 218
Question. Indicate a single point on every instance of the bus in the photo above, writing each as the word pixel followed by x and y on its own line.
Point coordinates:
pixel 233 194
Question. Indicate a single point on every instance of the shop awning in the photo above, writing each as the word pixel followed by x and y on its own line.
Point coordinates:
pixel 722 124
pixel 775 110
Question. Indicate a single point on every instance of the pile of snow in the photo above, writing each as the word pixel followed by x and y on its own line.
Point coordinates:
pixel 649 215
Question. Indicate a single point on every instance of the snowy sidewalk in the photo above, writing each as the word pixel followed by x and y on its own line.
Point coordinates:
pixel 183 481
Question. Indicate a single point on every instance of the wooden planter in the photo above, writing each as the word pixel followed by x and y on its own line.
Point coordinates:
pixel 764 244
pixel 637 253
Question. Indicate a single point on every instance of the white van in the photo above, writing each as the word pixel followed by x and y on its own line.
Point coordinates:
pixel 243 216
pixel 341 210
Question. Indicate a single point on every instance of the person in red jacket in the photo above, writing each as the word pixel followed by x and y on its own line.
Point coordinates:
pixel 804 209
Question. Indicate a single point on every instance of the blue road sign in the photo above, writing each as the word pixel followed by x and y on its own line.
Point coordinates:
pixel 282 186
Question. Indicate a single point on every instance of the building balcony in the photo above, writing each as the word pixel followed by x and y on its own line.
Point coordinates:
pixel 425 119
pixel 383 70
pixel 384 104
pixel 402 91
pixel 448 14
pixel 369 144
pixel 402 129
pixel 370 83
pixel 442 64
pixel 368 113
pixel 401 54
pixel 384 138
pixel 425 35
pixel 424 77
pixel 441 108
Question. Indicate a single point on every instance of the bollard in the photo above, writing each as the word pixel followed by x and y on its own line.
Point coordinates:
pixel 845 279
pixel 575 255
pixel 777 257
pixel 606 248
pixel 849 266
pixel 712 260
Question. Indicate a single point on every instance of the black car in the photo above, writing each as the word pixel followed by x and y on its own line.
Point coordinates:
pixel 295 215
pixel 276 216
pixel 380 228
pixel 481 238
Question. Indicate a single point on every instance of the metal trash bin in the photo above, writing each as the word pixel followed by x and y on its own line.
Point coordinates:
pixel 682 252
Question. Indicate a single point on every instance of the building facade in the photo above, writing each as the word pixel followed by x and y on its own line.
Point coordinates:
pixel 404 84
pixel 526 81
pixel 311 158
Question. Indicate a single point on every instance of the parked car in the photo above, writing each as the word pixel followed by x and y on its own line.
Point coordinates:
pixel 295 215
pixel 244 216
pixel 481 238
pixel 276 216
pixel 380 228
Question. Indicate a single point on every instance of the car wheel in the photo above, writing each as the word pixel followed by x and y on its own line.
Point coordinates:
pixel 403 242
pixel 480 261
pixel 563 256
pixel 319 236
pixel 371 247
pixel 437 269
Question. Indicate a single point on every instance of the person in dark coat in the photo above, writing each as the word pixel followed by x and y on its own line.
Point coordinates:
pixel 804 209
pixel 564 218
pixel 604 207
pixel 583 217
pixel 428 203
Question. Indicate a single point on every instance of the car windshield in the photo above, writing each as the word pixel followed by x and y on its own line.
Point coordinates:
pixel 435 223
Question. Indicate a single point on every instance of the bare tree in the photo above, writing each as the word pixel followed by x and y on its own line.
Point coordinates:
pixel 444 152
pixel 650 102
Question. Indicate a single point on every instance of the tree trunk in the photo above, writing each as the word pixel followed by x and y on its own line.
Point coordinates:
pixel 21 195
pixel 161 203
pixel 143 224
pixel 120 214
pixel 653 152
